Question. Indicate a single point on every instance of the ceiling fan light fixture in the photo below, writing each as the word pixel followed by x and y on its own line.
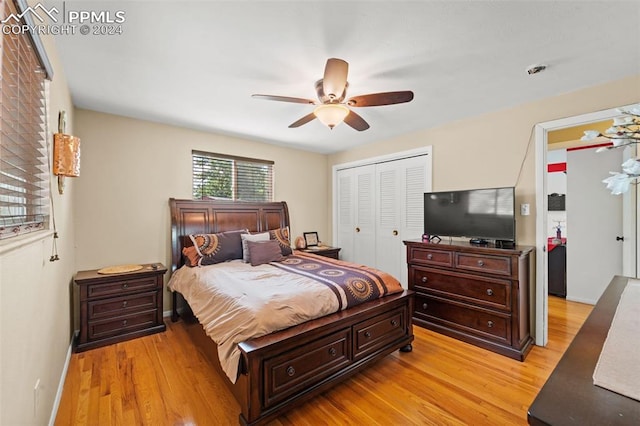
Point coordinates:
pixel 331 114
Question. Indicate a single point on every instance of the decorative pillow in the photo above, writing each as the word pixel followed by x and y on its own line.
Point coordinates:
pixel 261 252
pixel 220 247
pixel 281 235
pixel 251 237
pixel 191 256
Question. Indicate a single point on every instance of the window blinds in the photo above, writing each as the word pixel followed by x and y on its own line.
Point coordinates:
pixel 24 177
pixel 219 176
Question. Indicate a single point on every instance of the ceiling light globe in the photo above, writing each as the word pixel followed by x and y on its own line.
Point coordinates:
pixel 331 114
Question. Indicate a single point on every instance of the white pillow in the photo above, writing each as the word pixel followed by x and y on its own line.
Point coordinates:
pixel 246 258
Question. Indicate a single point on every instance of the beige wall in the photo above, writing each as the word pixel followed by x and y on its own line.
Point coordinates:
pixel 35 329
pixel 130 169
pixel 488 150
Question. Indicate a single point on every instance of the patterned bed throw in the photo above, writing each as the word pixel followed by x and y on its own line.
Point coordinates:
pixel 352 284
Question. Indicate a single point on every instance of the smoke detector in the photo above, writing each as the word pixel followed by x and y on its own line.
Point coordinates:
pixel 535 69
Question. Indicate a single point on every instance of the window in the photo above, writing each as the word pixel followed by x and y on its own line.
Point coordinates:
pixel 24 172
pixel 225 177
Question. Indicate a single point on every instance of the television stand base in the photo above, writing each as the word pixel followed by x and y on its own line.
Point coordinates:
pixel 478 242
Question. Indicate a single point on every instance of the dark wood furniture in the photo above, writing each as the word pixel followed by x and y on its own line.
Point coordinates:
pixel 117 307
pixel 557 270
pixel 478 294
pixel 569 396
pixel 333 252
pixel 287 368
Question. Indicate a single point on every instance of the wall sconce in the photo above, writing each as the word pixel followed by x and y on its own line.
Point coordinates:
pixel 66 154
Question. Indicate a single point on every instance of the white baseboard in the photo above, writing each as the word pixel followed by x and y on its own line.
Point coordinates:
pixel 63 376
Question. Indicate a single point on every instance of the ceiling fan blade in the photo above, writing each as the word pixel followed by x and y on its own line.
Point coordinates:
pixel 284 99
pixel 355 121
pixel 304 120
pixel 379 99
pixel 335 77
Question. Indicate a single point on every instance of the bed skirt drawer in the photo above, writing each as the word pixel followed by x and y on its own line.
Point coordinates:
pixel 379 331
pixel 463 318
pixel 124 324
pixel 119 306
pixel 292 371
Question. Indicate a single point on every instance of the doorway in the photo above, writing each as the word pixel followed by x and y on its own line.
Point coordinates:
pixel 629 216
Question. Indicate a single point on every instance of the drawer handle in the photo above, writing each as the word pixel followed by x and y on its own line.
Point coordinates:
pixel 291 371
pixel 124 322
pixel 424 306
pixel 424 279
pixel 125 285
pixel 357 229
pixel 367 334
pixel 489 292
pixel 480 263
pixel 490 324
pixel 124 304
pixel 395 232
pixel 394 323
pixel 429 256
pixel 333 352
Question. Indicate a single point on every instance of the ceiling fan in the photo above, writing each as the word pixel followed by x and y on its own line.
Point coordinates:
pixel 332 109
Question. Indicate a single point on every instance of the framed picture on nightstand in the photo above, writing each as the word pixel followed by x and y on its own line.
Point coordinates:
pixel 310 238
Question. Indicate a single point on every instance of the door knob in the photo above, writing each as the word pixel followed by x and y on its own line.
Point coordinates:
pixel 619 238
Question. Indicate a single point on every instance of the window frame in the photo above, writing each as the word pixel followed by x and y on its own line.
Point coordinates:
pixel 34 169
pixel 235 188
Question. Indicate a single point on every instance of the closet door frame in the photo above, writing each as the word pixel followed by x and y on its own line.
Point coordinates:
pixel 426 151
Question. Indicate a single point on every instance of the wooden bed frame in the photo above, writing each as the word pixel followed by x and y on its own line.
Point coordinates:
pixel 287 368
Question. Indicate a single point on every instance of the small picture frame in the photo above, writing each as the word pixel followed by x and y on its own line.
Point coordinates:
pixel 311 239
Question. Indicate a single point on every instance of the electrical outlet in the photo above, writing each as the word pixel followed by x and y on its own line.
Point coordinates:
pixel 524 209
pixel 36 397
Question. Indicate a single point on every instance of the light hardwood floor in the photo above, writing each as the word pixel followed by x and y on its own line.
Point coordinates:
pixel 163 380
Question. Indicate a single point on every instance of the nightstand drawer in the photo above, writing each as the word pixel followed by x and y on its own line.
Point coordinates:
pixel 112 327
pixel 498 265
pixel 121 287
pixel 119 306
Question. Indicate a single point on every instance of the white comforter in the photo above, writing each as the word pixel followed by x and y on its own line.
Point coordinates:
pixel 235 301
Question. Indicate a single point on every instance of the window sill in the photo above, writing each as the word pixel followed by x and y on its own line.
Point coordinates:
pixel 14 243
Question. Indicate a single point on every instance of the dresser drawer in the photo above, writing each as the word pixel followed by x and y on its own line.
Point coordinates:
pixel 121 287
pixel 378 331
pixel 494 293
pixel 465 319
pixel 119 306
pixel 429 256
pixel 125 324
pixel 292 371
pixel 499 265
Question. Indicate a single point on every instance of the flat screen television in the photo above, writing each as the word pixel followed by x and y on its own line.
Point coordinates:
pixel 478 214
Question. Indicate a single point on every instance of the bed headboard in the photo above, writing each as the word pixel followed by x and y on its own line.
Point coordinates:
pixel 211 216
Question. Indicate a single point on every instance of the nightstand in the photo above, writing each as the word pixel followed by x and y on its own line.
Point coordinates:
pixel 117 307
pixel 326 251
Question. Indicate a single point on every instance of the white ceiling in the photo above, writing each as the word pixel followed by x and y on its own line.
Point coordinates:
pixel 196 64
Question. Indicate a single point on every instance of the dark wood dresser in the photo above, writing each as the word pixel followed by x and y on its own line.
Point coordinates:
pixel 478 294
pixel 117 307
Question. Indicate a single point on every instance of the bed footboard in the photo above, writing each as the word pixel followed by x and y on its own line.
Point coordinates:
pixel 287 368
